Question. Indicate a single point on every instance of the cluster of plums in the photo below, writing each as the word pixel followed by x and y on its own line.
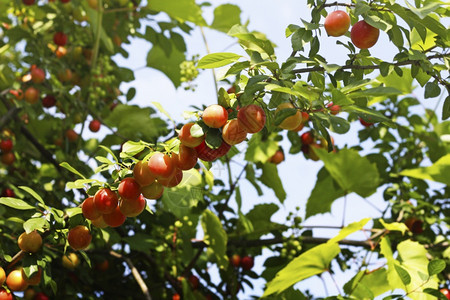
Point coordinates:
pixel 7 155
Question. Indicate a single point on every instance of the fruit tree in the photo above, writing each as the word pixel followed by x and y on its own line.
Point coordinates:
pixel 104 196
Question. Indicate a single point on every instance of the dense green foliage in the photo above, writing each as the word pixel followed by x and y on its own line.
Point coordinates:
pixel 403 152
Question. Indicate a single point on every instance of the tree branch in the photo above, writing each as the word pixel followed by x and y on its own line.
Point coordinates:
pixel 137 276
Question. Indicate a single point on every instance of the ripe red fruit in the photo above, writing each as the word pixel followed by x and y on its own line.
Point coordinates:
pixel 233 133
pixel 365 123
pixel 37 74
pixel 94 125
pixel 79 237
pixel 176 297
pixel 89 210
pixel 414 225
pixel 153 191
pixel 307 138
pixel 5 295
pixel 173 180
pixel 235 260
pixel 129 188
pixel 277 158
pixel 8 158
pixel 207 154
pixel 187 139
pixel 115 218
pixel 132 207
pixel 64 1
pixel 71 135
pixel 337 23
pixel 247 263
pixel 364 35
pixel 49 101
pixel 161 165
pixel 215 116
pixel 17 93
pixel 28 2
pixel 142 174
pixel 105 201
pixel 60 38
pixel 446 293
pixel 251 118
pixel 31 95
pixel 6 145
pixel 15 281
pixel 41 296
pixel 186 158
pixel 194 281
pixel 8 193
pixel 334 108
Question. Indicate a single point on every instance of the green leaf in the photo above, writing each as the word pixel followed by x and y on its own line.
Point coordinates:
pixel 323 195
pixel 162 110
pixel 16 203
pixel 225 16
pixel 141 242
pixel 216 60
pixel 424 10
pixel 93 18
pixel 437 172
pixel 196 130
pixel 374 281
pixel 40 224
pixel 34 194
pixel 403 274
pixel 312 262
pixel 351 171
pixel 377 22
pixel 395 226
pixel 271 179
pixel 432 90
pixel 79 184
pixel 260 150
pixel 260 216
pixel 349 229
pixel 71 169
pixel 183 10
pixel 251 41
pixel 340 98
pixel 132 148
pixel 368 114
pixel 169 65
pixel 215 237
pixel 376 91
pixel 283 114
pixel 446 109
pixel 436 266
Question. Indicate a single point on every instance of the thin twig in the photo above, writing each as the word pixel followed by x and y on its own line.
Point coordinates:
pixel 137 276
pixel 208 51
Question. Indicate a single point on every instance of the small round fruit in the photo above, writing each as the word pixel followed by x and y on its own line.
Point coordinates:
pixel 233 133
pixel 2 276
pixel 153 191
pixel 48 101
pixel 71 135
pixel 70 261
pixel 93 4
pixel 235 260
pixel 208 154
pixel 79 237
pixel 30 242
pixel 105 201
pixel 173 180
pixel 187 139
pixel 291 122
pixel 41 296
pixel 37 74
pixel 414 225
pixel 129 188
pixel 142 174
pixel 34 279
pixel 114 219
pixel 365 123
pixel 28 2
pixel 60 38
pixel 5 295
pixel 17 93
pixel 16 282
pixel 337 23
pixel 176 297
pixel 334 108
pixel 251 118
pixel 6 145
pixel 161 165
pixel 132 207
pixel 186 158
pixel 89 210
pixel 8 158
pixel 31 95
pixel 215 116
pixel 307 138
pixel 8 193
pixel 446 293
pixel 99 222
pixel 94 125
pixel 247 263
pixel 277 158
pixel 103 266
pixel 364 35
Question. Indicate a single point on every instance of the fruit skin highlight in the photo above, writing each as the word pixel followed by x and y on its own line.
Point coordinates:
pixel 215 116
pixel 79 237
pixel 30 242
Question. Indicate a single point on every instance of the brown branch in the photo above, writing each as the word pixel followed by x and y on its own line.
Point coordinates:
pixel 10 114
pixel 192 262
pixel 137 276
pixel 369 67
pixel 19 255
